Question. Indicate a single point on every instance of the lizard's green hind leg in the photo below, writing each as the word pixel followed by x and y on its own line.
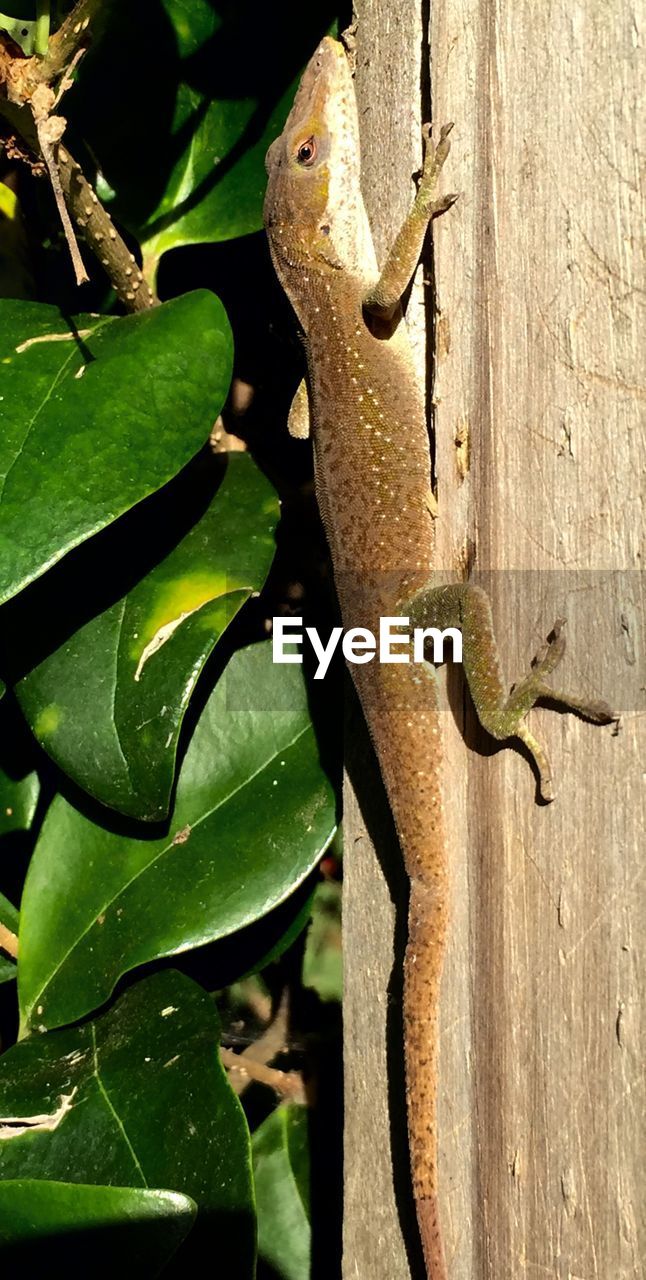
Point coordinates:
pixel 502 714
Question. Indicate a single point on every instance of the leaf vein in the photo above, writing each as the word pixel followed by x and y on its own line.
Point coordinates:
pixel 41 406
pixel 112 1109
pixel 166 849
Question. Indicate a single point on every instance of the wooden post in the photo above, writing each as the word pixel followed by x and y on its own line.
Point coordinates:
pixel 540 467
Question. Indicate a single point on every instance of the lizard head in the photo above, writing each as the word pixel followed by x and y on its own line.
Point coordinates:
pixel 314 212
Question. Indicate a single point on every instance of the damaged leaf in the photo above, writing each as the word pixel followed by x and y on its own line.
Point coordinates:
pixel 254 811
pixel 47 1122
pixel 136 1098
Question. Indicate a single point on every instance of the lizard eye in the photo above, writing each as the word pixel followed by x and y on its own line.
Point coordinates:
pixel 306 154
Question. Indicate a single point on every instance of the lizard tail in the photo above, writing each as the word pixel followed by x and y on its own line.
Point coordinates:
pixel 402 714
pixel 428 1220
pixel 422 975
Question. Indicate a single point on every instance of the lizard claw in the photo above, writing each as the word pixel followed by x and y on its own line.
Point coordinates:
pixel 552 652
pixel 444 203
pixel 434 157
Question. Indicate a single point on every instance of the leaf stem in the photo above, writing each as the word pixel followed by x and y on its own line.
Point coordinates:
pixel 41 33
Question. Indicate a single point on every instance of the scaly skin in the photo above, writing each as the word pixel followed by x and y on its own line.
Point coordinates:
pixel 372 474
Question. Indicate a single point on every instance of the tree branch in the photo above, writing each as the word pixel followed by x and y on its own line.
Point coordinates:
pixel 75 32
pixel 30 106
pixel 102 236
pixel 288 1084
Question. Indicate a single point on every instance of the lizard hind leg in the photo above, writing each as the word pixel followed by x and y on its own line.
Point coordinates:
pixel 502 714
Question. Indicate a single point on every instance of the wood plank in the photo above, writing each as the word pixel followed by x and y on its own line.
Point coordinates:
pixel 542 1105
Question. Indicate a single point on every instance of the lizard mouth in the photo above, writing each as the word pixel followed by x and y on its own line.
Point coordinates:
pixel 325 80
pixel 325 90
pixel 314 168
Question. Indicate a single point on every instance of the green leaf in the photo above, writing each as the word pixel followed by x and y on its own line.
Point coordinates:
pixel 109 703
pixel 94 415
pixel 207 100
pixel 18 800
pixel 254 811
pixel 137 1097
pixel 20 30
pixel 250 950
pixel 19 791
pixel 81 1231
pixel 281 1175
pixel 9 918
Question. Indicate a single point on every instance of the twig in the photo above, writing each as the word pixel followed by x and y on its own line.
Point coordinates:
pixel 46 148
pixel 102 236
pixel 25 75
pixel 67 82
pixel 31 105
pixel 288 1084
pixel 49 131
pixel 74 33
pixel 8 942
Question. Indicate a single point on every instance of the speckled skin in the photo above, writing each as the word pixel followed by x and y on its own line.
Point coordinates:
pixel 372 470
pixel 372 473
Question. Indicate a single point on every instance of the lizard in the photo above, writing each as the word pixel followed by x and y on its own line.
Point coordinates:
pixel 363 407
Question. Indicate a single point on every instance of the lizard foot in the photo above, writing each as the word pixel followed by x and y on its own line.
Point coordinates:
pixel 544 663
pixel 434 158
pixel 525 695
pixel 502 714
pixel 550 655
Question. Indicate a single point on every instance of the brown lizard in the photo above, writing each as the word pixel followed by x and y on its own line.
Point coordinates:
pixel 372 475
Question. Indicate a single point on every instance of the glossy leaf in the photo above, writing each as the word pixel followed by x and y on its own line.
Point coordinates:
pixel 252 949
pixel 254 811
pixel 78 1231
pixel 137 1097
pixel 9 918
pixel 281 1175
pixel 94 415
pixel 193 169
pixel 108 704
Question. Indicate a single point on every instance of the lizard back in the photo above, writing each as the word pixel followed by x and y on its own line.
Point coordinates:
pixel 372 475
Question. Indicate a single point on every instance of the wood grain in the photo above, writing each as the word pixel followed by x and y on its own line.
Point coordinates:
pixel 539 367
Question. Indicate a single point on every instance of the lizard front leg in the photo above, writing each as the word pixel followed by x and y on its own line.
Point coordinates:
pixel 384 297
pixel 502 714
